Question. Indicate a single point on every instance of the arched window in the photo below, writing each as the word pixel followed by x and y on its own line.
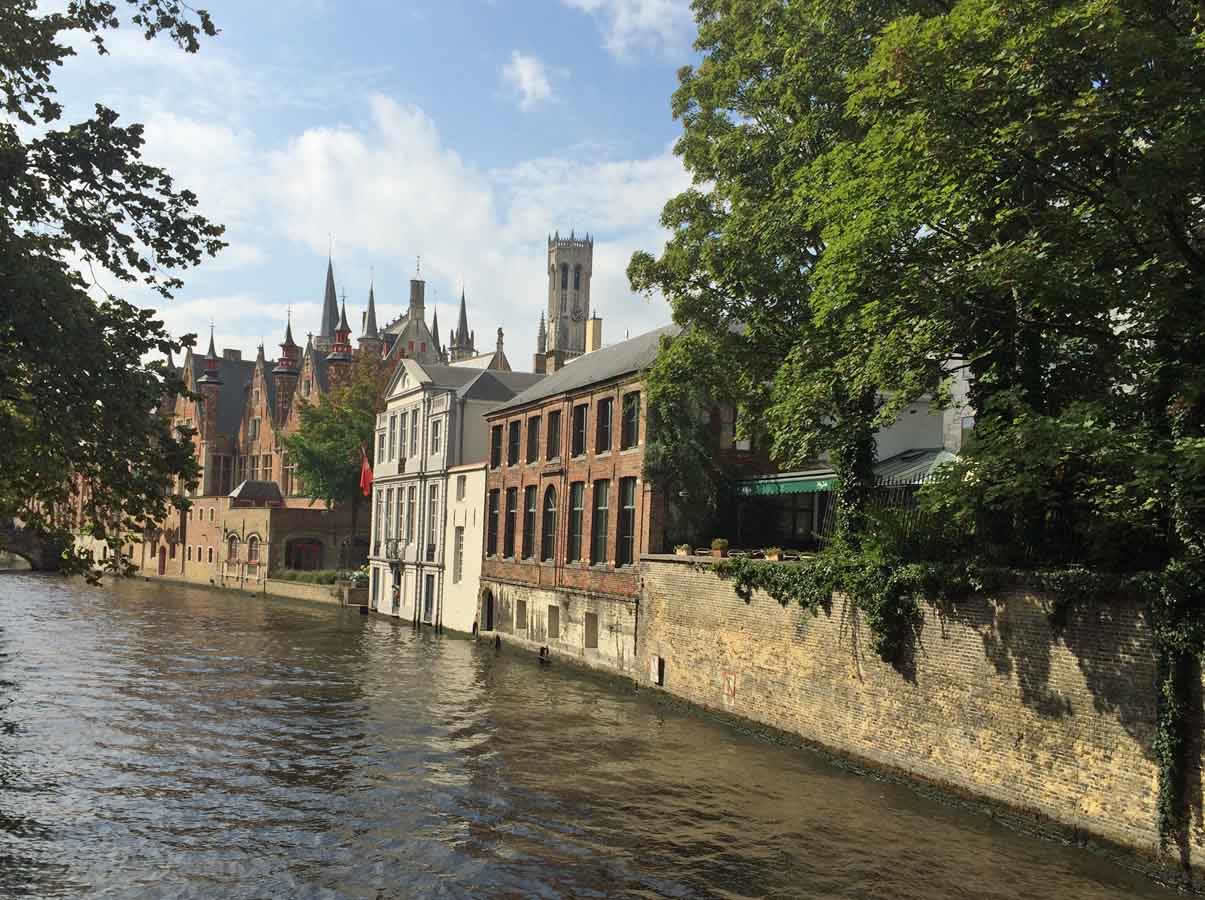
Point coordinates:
pixel 211 509
pixel 209 554
pixel 564 276
pixel 253 549
pixel 232 547
pixel 548 526
pixel 189 554
pixel 577 278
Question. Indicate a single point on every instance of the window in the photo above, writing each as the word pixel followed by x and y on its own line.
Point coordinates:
pixel 458 554
pixel 577 503
pixel 533 439
pixel 401 430
pixel 435 428
pixel 591 631
pixel 577 278
pixel 211 510
pixel 564 276
pixel 392 437
pixel 379 504
pixel 414 432
pixel 411 503
pixel 495 446
pixel 512 443
pixel 381 445
pixel 491 535
pixel 189 552
pixel 208 554
pixel 171 551
pixel 461 481
pixel 288 475
pixel 554 622
pixel 548 526
pixel 432 521
pixel 520 615
pixel 727 426
pixel 579 431
pixel 397 519
pixel 305 388
pixel 552 449
pixel 254 428
pixel 598 527
pixel 602 436
pixel 508 526
pixel 529 520
pixel 198 552
pixel 625 551
pixel 629 435
pixel 389 514
pixel 253 549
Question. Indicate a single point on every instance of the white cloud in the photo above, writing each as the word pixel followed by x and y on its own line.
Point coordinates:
pixel 665 25
pixel 527 76
pixel 395 190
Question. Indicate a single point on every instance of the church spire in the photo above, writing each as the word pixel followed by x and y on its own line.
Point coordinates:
pixel 330 310
pixel 541 336
pixel 211 375
pixel 435 328
pixel 370 318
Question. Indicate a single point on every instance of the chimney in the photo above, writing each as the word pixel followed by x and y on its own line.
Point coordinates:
pixel 235 355
pixel 593 334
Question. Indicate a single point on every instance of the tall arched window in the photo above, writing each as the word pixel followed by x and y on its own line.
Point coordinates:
pixel 232 547
pixel 564 276
pixel 577 278
pixel 253 549
pixel 548 526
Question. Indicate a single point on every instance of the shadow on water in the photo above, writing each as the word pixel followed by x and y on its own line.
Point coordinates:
pixel 178 741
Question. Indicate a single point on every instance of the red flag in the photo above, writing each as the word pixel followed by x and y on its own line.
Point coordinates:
pixel 365 473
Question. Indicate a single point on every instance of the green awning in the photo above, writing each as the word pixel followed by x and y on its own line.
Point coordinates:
pixel 797 484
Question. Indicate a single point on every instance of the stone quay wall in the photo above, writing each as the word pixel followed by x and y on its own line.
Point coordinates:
pixel 993 704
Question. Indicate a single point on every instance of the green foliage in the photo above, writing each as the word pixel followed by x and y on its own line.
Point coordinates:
pixel 314 576
pixel 77 396
pixel 327 446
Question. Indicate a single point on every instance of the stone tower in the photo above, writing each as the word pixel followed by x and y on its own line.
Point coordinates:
pixel 570 263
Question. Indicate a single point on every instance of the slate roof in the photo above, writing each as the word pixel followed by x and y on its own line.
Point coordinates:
pixel 450 376
pixel 235 375
pixel 496 385
pixel 259 492
pixel 628 356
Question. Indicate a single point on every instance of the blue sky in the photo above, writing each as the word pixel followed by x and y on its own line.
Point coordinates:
pixel 460 131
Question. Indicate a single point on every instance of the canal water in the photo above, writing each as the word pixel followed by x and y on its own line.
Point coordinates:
pixel 164 741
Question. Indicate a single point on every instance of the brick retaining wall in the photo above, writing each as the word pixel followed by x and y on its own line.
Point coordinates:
pixel 995 704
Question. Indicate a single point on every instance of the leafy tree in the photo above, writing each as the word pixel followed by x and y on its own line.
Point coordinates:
pixel 334 431
pixel 759 113
pixel 77 398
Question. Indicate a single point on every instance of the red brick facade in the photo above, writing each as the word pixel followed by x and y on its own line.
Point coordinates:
pixel 590 468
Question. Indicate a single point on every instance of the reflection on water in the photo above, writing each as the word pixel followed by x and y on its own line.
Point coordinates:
pixel 168 741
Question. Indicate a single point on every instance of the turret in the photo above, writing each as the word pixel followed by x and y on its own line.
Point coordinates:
pixel 341 348
pixel 461 345
pixel 284 375
pixel 570 265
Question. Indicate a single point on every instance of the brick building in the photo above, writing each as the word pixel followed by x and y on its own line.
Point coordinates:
pixel 568 512
pixel 245 409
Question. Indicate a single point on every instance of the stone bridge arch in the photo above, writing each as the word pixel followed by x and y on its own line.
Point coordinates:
pixel 42 553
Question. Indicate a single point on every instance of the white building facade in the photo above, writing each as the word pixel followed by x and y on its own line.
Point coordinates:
pixel 432 423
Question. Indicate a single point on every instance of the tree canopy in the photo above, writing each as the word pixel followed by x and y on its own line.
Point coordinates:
pixel 888 194
pixel 81 379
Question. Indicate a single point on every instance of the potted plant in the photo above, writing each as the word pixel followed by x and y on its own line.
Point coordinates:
pixel 682 550
pixel 774 554
pixel 719 547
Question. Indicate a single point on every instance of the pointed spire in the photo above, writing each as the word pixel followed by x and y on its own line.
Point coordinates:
pixel 462 324
pixel 330 305
pixel 343 326
pixel 435 328
pixel 289 331
pixel 370 318
pixel 288 362
pixel 541 336
pixel 211 363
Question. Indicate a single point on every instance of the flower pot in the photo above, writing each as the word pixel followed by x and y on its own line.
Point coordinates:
pixel 774 557
pixel 719 554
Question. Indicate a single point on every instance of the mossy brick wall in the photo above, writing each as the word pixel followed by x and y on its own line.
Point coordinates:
pixel 992 703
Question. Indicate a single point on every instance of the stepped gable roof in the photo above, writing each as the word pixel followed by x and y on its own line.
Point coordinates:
pixel 235 374
pixel 496 385
pixel 633 355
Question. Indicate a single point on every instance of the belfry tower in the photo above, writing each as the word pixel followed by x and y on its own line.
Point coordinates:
pixel 570 263
pixel 570 330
